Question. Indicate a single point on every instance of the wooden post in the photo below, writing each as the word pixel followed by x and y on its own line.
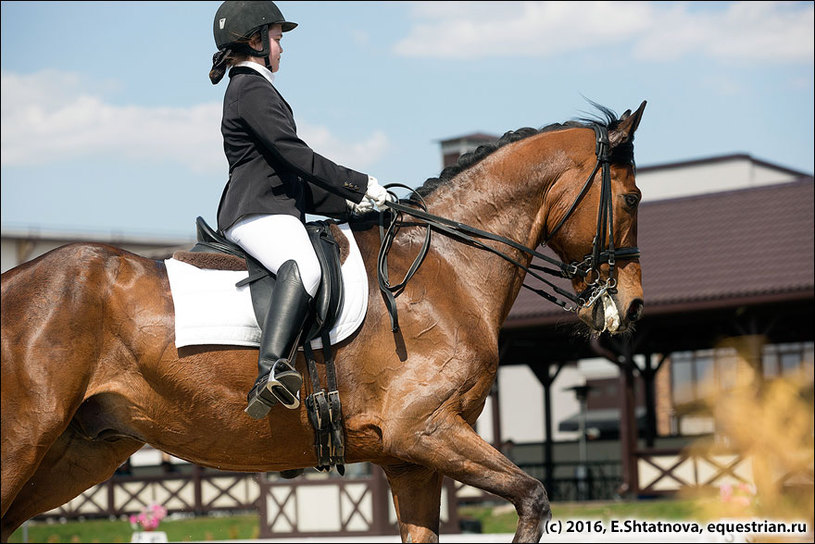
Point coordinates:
pixel 197 472
pixel 628 425
pixel 648 374
pixel 380 505
pixel 496 416
pixel 262 506
pixel 546 378
pixel 548 449
pixel 452 525
pixel 622 355
pixel 111 496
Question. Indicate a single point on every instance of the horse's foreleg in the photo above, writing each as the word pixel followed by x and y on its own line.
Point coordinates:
pixel 416 497
pixel 72 465
pixel 453 448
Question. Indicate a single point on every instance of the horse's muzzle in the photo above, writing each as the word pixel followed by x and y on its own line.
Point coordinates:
pixel 605 315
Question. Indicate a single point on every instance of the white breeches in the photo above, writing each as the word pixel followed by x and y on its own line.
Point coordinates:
pixel 275 239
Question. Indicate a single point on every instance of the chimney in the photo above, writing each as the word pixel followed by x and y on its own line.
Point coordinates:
pixel 453 148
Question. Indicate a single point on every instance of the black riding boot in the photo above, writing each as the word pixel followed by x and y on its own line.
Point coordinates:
pixel 277 380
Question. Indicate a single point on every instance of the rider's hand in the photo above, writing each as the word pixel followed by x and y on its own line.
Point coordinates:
pixel 376 193
pixel 362 208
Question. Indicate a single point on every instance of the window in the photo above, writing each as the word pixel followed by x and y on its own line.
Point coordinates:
pixel 697 374
pixel 788 360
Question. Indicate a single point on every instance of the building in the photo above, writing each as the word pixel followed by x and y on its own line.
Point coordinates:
pixel 21 245
pixel 453 148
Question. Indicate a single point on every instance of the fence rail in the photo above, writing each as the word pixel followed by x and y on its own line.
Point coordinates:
pixel 666 471
pixel 321 505
pixel 312 506
pixel 598 481
pixel 198 492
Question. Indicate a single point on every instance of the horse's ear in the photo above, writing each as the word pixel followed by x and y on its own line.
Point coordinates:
pixel 624 132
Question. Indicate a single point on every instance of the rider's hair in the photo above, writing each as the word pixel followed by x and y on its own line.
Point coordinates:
pixel 230 57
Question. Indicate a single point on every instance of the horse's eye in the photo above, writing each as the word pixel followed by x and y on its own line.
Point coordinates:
pixel 631 201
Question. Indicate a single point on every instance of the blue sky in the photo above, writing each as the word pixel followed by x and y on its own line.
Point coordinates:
pixel 111 126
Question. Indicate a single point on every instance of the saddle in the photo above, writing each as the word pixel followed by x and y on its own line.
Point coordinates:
pixel 213 250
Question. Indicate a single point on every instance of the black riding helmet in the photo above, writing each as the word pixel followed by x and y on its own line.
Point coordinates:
pixel 239 20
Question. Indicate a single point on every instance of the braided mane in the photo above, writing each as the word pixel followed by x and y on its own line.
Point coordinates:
pixel 622 154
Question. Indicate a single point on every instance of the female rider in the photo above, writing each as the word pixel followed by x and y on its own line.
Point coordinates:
pixel 274 180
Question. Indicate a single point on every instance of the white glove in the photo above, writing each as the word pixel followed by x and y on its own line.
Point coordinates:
pixel 362 208
pixel 376 193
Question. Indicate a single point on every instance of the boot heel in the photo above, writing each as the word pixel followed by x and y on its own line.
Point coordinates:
pixel 258 404
pixel 257 409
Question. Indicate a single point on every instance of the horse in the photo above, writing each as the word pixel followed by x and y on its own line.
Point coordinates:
pixel 90 372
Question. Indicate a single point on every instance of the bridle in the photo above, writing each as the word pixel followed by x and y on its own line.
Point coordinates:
pixel 603 248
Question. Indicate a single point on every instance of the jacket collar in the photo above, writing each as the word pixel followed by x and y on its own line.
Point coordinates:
pixel 246 67
pixel 236 70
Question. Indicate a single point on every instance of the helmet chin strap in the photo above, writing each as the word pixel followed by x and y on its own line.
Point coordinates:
pixel 264 41
pixel 267 49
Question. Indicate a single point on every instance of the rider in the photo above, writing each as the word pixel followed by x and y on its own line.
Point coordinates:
pixel 274 180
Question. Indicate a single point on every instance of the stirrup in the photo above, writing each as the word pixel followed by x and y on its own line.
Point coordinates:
pixel 284 383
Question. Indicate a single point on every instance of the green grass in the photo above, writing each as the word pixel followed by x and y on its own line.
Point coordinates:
pixel 182 530
pixel 500 519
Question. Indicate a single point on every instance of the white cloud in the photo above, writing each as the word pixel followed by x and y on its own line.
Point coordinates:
pixel 48 116
pixel 751 31
pixel 356 155
pixel 755 31
pixel 494 29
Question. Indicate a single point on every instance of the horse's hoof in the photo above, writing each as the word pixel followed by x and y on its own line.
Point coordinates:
pixel 293 473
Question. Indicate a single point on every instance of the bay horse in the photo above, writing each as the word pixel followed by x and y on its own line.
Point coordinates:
pixel 90 371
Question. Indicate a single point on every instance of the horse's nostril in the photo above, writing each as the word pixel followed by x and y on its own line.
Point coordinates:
pixel 635 310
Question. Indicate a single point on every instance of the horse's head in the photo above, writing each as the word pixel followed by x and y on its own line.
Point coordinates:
pixel 592 223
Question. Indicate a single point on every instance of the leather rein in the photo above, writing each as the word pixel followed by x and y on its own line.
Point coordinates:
pixel 603 249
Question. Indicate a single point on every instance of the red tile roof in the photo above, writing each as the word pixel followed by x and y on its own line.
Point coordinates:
pixel 719 247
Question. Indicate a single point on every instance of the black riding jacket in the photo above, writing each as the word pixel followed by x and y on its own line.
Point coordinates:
pixel 271 170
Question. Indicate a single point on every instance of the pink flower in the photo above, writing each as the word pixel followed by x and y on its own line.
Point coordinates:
pixel 149 518
pixel 742 495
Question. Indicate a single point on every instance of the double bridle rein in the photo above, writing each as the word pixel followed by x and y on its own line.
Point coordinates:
pixel 603 249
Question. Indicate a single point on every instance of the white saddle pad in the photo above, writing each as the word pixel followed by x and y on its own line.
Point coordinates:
pixel 209 309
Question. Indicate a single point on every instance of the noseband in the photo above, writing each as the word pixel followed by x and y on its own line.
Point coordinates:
pixel 603 250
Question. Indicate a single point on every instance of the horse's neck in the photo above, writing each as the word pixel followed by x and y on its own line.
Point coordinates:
pixel 502 197
pixel 506 207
